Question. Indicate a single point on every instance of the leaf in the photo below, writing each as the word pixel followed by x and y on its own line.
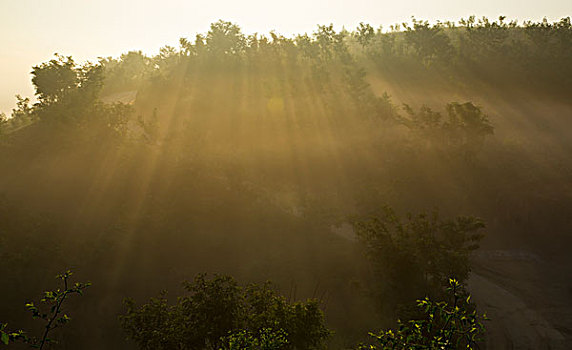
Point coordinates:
pixel 5 338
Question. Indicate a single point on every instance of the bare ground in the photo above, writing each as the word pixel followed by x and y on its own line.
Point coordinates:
pixel 527 298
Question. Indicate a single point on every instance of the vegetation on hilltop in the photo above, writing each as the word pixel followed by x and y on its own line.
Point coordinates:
pixel 247 155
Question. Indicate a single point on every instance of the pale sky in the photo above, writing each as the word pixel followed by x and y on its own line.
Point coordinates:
pixel 33 30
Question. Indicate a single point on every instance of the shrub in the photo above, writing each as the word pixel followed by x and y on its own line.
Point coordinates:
pixel 218 307
pixel 446 325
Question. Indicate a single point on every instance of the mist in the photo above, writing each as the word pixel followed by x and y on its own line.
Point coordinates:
pixel 256 155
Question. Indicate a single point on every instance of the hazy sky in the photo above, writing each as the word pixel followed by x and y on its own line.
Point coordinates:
pixel 33 30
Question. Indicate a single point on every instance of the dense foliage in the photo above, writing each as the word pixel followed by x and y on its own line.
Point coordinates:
pixel 417 256
pixel 477 51
pixel 266 339
pixel 218 307
pixel 245 154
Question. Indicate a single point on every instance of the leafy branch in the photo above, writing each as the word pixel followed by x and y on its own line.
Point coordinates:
pixel 446 325
pixel 54 318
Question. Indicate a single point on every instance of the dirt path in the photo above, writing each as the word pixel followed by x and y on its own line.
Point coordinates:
pixel 524 314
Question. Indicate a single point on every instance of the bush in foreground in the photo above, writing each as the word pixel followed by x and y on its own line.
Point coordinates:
pixel 220 313
pixel 446 325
